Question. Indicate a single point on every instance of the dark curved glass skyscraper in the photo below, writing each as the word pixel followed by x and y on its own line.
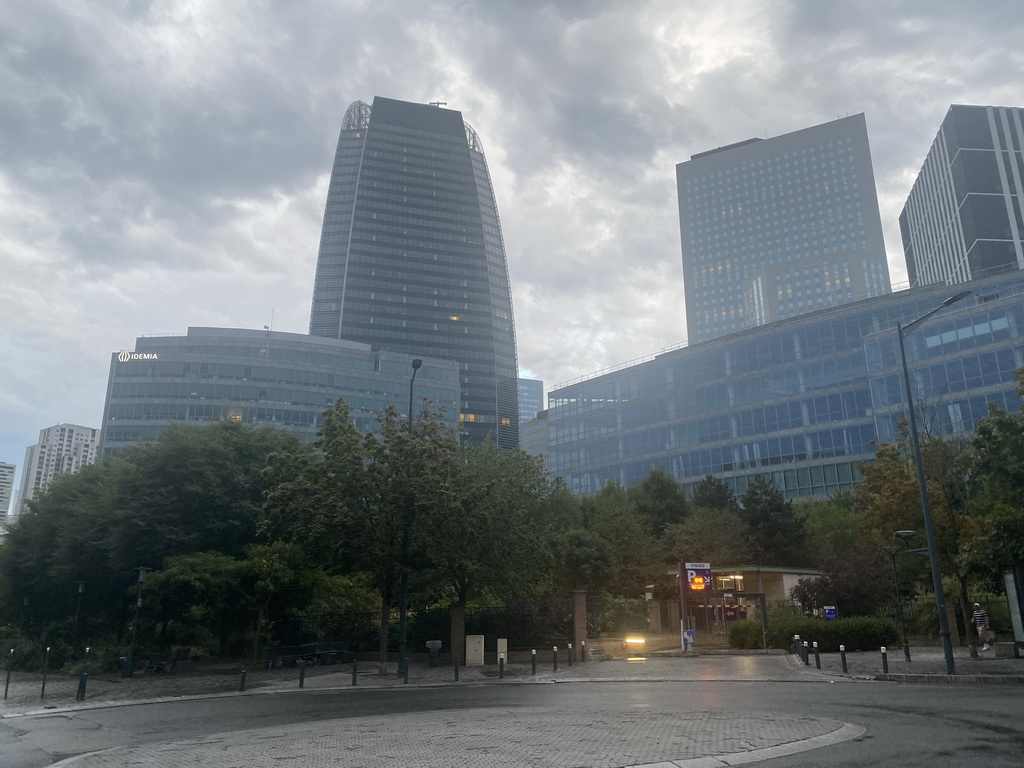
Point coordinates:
pixel 411 254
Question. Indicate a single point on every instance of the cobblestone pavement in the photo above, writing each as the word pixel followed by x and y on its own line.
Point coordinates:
pixel 712 740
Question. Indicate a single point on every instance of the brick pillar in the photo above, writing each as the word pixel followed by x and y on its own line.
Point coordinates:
pixel 579 619
pixel 457 618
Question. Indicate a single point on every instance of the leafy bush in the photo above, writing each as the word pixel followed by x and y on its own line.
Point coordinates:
pixel 746 634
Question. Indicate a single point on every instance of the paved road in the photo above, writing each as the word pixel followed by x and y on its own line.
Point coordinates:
pixel 709 711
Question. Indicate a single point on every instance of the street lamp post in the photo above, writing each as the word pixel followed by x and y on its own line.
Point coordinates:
pixel 138 604
pixel 403 591
pixel 926 510
pixel 78 609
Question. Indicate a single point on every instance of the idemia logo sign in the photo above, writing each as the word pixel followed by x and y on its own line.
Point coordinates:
pixel 124 356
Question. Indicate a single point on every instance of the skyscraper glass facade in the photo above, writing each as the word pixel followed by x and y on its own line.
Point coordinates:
pixel 261 378
pixel 774 228
pixel 802 401
pixel 411 255
pixel 963 217
pixel 531 399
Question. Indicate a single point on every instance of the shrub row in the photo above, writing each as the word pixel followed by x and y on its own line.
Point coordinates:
pixel 861 633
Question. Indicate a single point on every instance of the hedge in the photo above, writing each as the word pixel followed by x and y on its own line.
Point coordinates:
pixel 861 633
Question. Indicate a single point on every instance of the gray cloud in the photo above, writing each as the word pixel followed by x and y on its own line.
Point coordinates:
pixel 164 163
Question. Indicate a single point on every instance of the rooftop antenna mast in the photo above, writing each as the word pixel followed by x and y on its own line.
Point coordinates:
pixel 439 103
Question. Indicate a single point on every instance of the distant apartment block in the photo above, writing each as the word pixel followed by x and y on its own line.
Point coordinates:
pixel 963 219
pixel 775 228
pixel 531 399
pixel 6 489
pixel 62 449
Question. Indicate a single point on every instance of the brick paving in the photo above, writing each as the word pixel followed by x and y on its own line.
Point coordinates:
pixel 504 738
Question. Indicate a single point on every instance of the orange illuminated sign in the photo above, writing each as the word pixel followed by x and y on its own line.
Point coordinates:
pixel 698 584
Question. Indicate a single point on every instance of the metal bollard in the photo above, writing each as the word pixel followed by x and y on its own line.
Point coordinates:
pixel 797 646
pixel 554 658
pixel 355 669
pixel 241 681
pixel 46 664
pixel 80 694
pixel 885 661
pixel 455 665
pixel 817 656
pixel 533 663
pixel 583 651
pixel 570 654
pixel 405 670
pixel 10 665
pixel 807 654
pixel 842 658
pixel 501 666
pixel 302 675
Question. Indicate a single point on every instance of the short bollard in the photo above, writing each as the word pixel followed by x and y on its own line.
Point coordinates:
pixel 355 669
pixel 533 664
pixel 302 675
pixel 10 665
pixel 554 658
pixel 501 666
pixel 807 654
pixel 405 670
pixel 241 681
pixel 797 645
pixel 885 660
pixel 80 694
pixel 842 658
pixel 583 651
pixel 570 654
pixel 817 656
pixel 46 664
pixel 455 667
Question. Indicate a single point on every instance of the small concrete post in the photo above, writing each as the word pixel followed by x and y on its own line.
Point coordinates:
pixel 817 656
pixel 501 666
pixel 241 681
pixel 583 651
pixel 570 654
pixel 302 675
pixel 885 661
pixel 355 669
pixel 455 666
pixel 533 661
pixel 842 658
pixel 807 654
pixel 554 658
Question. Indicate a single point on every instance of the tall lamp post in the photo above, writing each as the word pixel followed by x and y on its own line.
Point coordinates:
pixel 926 510
pixel 403 590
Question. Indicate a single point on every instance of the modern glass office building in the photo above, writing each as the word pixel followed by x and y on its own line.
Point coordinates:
pixel 531 400
pixel 775 228
pixel 261 377
pixel 411 254
pixel 802 400
pixel 963 218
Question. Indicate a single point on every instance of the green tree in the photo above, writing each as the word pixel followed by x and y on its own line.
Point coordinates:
pixel 712 493
pixel 716 536
pixel 659 500
pixel 778 535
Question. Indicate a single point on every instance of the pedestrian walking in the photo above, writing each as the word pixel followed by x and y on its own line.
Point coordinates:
pixel 985 634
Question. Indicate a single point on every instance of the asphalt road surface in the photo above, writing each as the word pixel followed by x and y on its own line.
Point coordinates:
pixel 571 724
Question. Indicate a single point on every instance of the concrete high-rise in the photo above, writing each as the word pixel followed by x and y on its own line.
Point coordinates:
pixel 962 219
pixel 6 489
pixel 774 228
pixel 411 255
pixel 62 449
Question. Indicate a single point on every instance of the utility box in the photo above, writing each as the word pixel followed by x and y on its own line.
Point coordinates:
pixel 474 650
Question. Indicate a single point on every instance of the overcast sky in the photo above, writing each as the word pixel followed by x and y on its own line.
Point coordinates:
pixel 165 163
